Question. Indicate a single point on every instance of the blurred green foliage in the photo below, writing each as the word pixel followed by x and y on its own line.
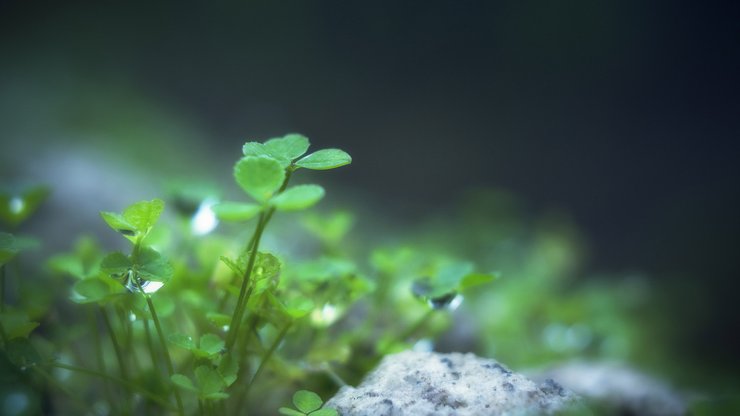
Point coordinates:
pixel 193 311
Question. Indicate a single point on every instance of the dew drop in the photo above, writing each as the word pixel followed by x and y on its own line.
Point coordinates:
pixel 151 286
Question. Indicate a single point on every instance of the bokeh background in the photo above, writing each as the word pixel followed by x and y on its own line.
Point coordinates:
pixel 622 116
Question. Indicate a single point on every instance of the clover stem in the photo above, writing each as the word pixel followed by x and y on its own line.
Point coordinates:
pixel 116 345
pixel 244 292
pixel 99 351
pixel 133 386
pixel 150 344
pixel 265 359
pixel 236 318
pixel 250 248
pixel 168 359
pixel 2 288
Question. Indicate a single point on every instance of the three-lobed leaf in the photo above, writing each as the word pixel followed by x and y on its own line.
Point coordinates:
pixel 325 159
pixel 298 197
pixel 259 176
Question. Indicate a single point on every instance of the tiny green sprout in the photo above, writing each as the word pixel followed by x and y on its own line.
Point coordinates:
pixel 136 221
pixel 16 208
pixel 264 171
pixel 307 403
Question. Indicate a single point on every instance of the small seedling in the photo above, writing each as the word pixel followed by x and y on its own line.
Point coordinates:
pixel 307 403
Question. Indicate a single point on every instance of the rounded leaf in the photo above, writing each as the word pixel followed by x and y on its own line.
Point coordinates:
pixel 235 211
pixel 115 264
pixel 254 149
pixel 307 401
pixel 288 147
pixel 259 176
pixel 183 382
pixel 298 197
pixel 119 224
pixel 325 159
pixel 91 290
pixel 211 344
pixel 290 412
pixel 153 266
pixel 144 214
pixel 182 340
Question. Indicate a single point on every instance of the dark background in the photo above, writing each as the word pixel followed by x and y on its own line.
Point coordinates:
pixel 624 113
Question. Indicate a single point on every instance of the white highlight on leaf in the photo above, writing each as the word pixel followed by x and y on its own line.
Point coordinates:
pixel 204 221
pixel 325 316
pixel 16 205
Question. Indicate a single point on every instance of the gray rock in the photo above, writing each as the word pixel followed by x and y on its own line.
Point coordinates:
pixel 427 383
pixel 617 388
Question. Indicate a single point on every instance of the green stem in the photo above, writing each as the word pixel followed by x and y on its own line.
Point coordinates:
pixel 122 382
pixel 333 375
pixel 116 345
pixel 99 351
pixel 119 354
pixel 250 247
pixel 168 359
pixel 150 344
pixel 2 288
pixel 245 291
pixel 266 358
pixel 237 317
pixel 3 334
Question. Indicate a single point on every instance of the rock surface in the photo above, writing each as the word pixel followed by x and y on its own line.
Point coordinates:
pixel 427 383
pixel 618 388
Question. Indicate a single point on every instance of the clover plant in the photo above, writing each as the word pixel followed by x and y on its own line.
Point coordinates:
pixel 187 320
